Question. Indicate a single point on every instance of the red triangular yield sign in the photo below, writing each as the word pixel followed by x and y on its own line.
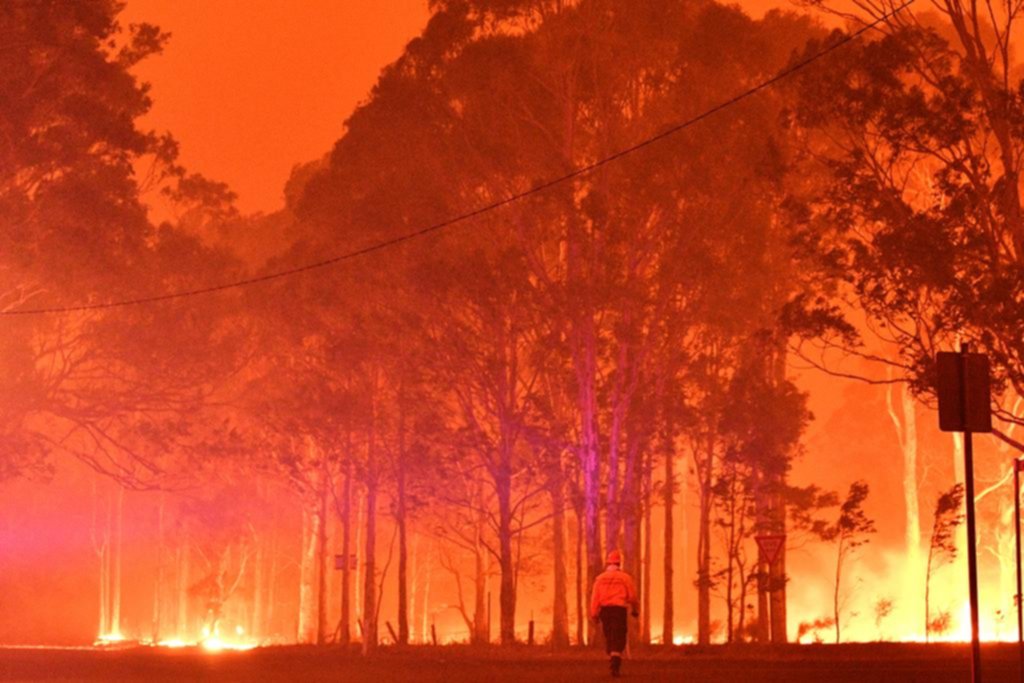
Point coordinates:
pixel 770 545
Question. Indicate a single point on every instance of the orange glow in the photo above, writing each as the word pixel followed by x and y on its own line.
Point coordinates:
pixel 229 83
pixel 244 559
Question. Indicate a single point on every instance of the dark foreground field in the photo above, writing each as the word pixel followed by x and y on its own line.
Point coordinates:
pixel 794 664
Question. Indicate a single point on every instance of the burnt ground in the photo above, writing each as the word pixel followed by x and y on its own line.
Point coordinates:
pixel 793 664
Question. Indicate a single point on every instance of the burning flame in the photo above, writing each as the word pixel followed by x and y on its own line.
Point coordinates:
pixel 173 643
pixel 110 639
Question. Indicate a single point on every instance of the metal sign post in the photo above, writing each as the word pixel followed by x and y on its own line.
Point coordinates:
pixel 965 406
pixel 770 546
pixel 972 555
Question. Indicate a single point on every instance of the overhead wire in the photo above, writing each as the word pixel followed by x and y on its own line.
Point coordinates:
pixel 482 209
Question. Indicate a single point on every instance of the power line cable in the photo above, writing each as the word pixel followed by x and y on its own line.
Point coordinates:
pixel 483 209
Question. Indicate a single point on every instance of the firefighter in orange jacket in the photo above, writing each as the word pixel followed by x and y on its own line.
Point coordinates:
pixel 614 594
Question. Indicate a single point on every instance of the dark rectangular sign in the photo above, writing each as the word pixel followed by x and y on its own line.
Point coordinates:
pixel 965 401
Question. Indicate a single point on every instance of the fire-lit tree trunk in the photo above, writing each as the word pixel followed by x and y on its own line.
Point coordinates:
pixel 415 569
pixel 777 576
pixel 181 589
pixel 359 578
pixel 322 555
pixel 115 607
pixel 101 545
pixel 370 571
pixel 777 570
pixel 257 628
pixel 645 607
pixel 618 499
pixel 369 578
pixel 403 553
pixel 836 588
pixel 345 627
pixel 481 628
pixel 581 617
pixel 586 369
pixel 425 626
pixel 307 576
pixel 905 423
pixel 668 492
pixel 158 583
pixel 271 586
pixel 705 466
pixel 560 608
pixel 764 580
pixel 632 524
pixel 507 591
pixel 729 566
pixel 580 328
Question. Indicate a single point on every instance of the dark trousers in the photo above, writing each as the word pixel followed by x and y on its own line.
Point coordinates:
pixel 613 622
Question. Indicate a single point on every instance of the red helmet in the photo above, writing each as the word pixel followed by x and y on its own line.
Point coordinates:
pixel 615 557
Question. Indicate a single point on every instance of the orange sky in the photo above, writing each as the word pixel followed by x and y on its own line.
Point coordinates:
pixel 252 87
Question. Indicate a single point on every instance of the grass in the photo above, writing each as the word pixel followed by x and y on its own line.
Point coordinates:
pixel 863 663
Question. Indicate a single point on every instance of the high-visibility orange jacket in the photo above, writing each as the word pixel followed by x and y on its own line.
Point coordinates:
pixel 613 587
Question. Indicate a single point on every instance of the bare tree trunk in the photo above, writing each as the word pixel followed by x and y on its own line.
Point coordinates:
pixel 668 609
pixel 101 530
pixel 704 548
pixel 307 623
pixel 927 593
pixel 586 368
pixel 632 522
pixel 181 622
pixel 507 591
pixel 115 608
pixel 158 587
pixel 905 424
pixel 617 499
pixel 645 596
pixel 403 552
pixel 835 590
pixel 369 586
pixel 777 576
pixel 560 608
pixel 345 635
pixel 583 344
pixel 481 627
pixel 322 566
pixel 425 628
pixel 257 627
pixel 271 585
pixel 360 577
pixel 581 617
pixel 415 570
pixel 777 570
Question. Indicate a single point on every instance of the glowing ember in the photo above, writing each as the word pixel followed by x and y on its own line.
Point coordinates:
pixel 174 643
pixel 110 639
pixel 218 645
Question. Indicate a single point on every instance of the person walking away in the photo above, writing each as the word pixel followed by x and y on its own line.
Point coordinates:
pixel 614 594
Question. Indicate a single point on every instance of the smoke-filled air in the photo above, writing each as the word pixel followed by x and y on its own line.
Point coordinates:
pixel 510 339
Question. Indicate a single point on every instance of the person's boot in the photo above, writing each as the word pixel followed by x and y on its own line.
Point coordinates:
pixel 616 665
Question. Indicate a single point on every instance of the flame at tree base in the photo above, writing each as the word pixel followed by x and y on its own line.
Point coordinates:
pixel 210 642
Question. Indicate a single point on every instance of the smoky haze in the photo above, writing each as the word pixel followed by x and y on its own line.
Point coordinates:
pixel 723 335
